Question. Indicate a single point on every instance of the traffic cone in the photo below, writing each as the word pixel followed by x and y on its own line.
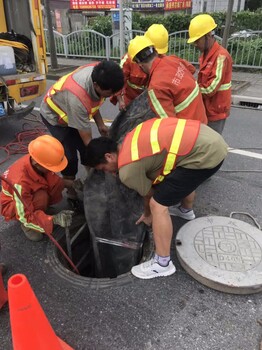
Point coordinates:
pixel 31 329
pixel 3 293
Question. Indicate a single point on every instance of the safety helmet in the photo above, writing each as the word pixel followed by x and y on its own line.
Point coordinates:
pixel 158 34
pixel 138 46
pixel 200 26
pixel 48 152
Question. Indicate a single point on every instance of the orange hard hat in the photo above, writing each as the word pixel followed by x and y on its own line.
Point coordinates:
pixel 48 152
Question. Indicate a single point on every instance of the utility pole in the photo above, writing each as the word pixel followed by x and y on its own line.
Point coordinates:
pixel 228 23
pixel 121 27
pixel 51 37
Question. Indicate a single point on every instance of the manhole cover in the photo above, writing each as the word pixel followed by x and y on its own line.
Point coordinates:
pixel 222 253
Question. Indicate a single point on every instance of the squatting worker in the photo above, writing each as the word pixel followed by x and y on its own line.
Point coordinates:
pixel 163 160
pixel 172 92
pixel 215 71
pixel 71 102
pixel 33 176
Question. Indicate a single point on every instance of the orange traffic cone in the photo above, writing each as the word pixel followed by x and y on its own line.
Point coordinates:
pixel 31 329
pixel 3 293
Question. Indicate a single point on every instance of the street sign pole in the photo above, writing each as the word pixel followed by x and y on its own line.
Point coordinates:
pixel 121 28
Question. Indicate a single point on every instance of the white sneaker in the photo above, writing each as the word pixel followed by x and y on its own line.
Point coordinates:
pixel 151 269
pixel 176 211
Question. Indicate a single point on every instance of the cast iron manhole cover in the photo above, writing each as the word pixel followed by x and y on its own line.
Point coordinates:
pixel 222 253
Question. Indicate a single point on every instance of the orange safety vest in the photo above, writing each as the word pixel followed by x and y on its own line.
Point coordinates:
pixel 68 83
pixel 176 136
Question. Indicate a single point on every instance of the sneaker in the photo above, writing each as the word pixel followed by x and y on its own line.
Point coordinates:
pixel 176 211
pixel 151 269
pixel 32 235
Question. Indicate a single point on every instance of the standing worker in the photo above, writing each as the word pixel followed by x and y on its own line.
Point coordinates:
pixel 71 102
pixel 172 89
pixel 164 160
pixel 158 34
pixel 215 71
pixel 33 177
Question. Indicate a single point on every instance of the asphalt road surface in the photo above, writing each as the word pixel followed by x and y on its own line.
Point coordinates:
pixel 172 313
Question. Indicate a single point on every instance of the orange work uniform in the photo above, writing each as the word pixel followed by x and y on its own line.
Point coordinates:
pixel 30 184
pixel 214 80
pixel 174 92
pixel 135 81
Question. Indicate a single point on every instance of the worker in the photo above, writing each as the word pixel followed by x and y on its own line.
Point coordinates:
pixel 136 79
pixel 71 102
pixel 215 71
pixel 30 186
pixel 173 92
pixel 172 89
pixel 158 34
pixel 163 160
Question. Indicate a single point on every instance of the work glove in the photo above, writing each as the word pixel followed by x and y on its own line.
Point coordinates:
pixel 78 185
pixel 64 218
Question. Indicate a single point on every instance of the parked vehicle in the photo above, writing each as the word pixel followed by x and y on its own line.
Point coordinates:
pixel 248 33
pixel 23 62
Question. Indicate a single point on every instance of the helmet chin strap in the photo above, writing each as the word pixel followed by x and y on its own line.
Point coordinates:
pixel 206 46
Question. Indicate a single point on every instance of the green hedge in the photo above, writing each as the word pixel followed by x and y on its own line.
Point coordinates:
pixel 180 21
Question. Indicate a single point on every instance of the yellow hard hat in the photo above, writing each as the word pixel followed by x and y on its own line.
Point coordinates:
pixel 48 152
pixel 158 34
pixel 200 26
pixel 138 44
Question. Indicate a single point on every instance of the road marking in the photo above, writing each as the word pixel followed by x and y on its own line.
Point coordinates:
pixel 245 153
pixel 231 150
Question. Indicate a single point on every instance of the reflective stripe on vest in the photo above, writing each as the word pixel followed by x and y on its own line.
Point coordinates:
pixel 173 150
pixel 21 211
pixel 68 83
pixel 219 71
pixel 123 61
pixel 134 86
pixel 179 108
pixel 157 105
pixel 154 136
pixel 225 87
pixel 190 98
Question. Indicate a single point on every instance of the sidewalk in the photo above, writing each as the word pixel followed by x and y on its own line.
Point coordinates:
pixel 246 86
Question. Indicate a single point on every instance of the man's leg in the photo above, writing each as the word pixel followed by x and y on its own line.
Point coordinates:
pixel 162 228
pixel 160 265
pixel 40 202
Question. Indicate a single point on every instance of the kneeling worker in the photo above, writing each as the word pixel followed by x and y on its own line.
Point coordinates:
pixel 164 160
pixel 33 176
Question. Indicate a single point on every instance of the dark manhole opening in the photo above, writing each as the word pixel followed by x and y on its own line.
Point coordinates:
pixel 116 257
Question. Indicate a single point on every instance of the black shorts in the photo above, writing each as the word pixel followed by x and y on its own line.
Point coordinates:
pixel 180 183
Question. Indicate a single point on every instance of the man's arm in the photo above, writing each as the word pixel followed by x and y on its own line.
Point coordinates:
pixel 86 136
pixel 146 216
pixel 102 128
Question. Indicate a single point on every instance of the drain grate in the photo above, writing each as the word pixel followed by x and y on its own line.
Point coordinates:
pixel 251 104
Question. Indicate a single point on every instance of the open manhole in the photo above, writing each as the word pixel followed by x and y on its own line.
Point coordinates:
pixel 105 242
pixel 110 243
pixel 116 260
